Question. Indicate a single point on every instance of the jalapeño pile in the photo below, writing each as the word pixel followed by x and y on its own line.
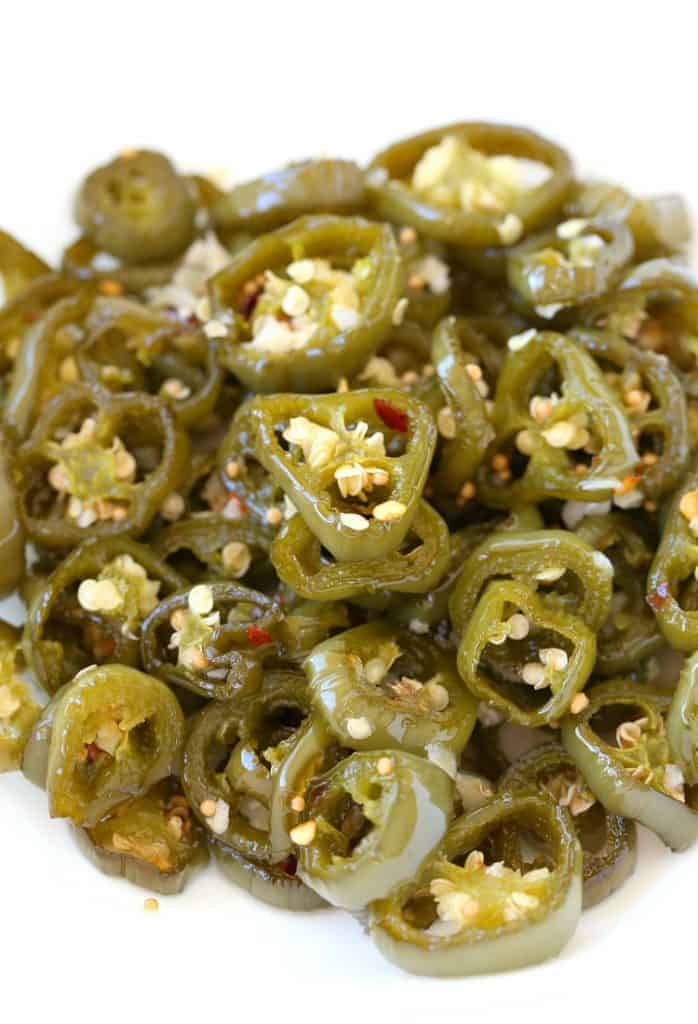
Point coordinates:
pixel 355 511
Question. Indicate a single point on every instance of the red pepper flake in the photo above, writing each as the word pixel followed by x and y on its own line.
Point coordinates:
pixel 394 418
pixel 658 597
pixel 92 752
pixel 289 865
pixel 258 636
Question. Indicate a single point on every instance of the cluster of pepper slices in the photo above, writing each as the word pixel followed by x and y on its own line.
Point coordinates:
pixel 381 588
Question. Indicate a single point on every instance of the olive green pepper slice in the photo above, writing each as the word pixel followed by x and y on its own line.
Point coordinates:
pixel 609 842
pixel 467 430
pixel 682 721
pixel 308 187
pixel 630 634
pixel 656 407
pixel 275 884
pixel 671 582
pixel 445 183
pixel 231 759
pixel 368 825
pixel 114 733
pixel 561 431
pixel 660 224
pixel 27 307
pixel 376 686
pixel 524 657
pixel 469 912
pixel 18 710
pixel 91 607
pixel 19 266
pixel 574 576
pixel 349 457
pixel 303 329
pixel 12 558
pixel 207 546
pixel 570 264
pixel 620 745
pixel 414 568
pixel 137 208
pixel 151 840
pixel 98 462
pixel 212 639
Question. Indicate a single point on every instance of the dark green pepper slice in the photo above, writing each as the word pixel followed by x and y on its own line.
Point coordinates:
pixel 137 208
pixel 609 842
pixel 480 205
pixel 554 412
pixel 309 187
pixel 91 608
pixel 320 321
pixel 378 687
pixel 469 912
pixel 114 733
pixel 349 456
pixel 368 825
pixel 413 569
pixel 151 840
pixel 99 462
pixel 212 639
pixel 275 884
pixel 620 744
pixel 544 557
pixel 26 308
pixel 543 656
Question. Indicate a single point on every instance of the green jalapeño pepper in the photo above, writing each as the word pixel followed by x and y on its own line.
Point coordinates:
pixel 608 841
pixel 12 561
pixel 309 187
pixel 471 184
pixel 561 431
pixel 463 422
pixel 682 721
pixel 630 634
pixel 303 306
pixel 98 462
pixel 151 840
pixel 369 823
pixel 470 912
pixel 207 546
pixel 91 608
pixel 655 405
pixel 672 585
pixel 114 733
pixel 660 225
pixel 45 362
pixel 353 465
pixel 620 744
pixel 212 639
pixel 570 264
pixel 523 657
pixel 19 266
pixel 275 884
pixel 18 712
pixel 137 208
pixel 566 569
pixel 414 568
pixel 376 686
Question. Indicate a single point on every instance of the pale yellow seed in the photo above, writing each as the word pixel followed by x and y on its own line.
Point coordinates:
pixel 475 861
pixel 303 834
pixel 579 702
pixel 375 670
pixel 236 557
pixel 408 236
pixel 438 696
pixel 353 521
pixel 560 434
pixel 298 804
pixel 274 516
pixel 389 511
pixel 232 469
pixel 172 507
pixel 688 506
pixel 151 905
pixel 554 658
pixel 359 728
pixel 208 808
pixel 533 674
pixel 519 626
pixel 176 389
pixel 385 765
pixel 200 599
pixel 446 422
pixel 473 371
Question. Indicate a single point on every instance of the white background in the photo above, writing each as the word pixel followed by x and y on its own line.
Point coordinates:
pixel 246 87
